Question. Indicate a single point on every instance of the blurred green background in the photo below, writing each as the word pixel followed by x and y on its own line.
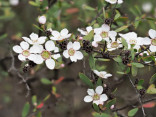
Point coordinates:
pixel 20 20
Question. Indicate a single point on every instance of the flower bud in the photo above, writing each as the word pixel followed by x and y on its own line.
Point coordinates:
pixel 42 19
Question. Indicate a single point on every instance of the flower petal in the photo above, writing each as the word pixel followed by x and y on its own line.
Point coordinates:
pixel 24 45
pixel 78 55
pixel 99 90
pixel 152 33
pixel 27 40
pixel 89 28
pixel 88 99
pixel 21 57
pixel 82 31
pixel 36 49
pixel 105 28
pixel 73 59
pixel 146 41
pixel 108 75
pixel 50 63
pixel 34 36
pixel 97 38
pixel 32 57
pixel 69 45
pixel 64 32
pixel 97 102
pixel 90 92
pixel 153 48
pixel 38 59
pixel 42 39
pixel 17 49
pixel 76 46
pixel 112 35
pixel 103 97
pixel 49 45
pixel 65 54
pixel 56 34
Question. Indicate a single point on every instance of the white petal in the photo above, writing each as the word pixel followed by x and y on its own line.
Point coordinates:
pixel 56 34
pixel 69 45
pixel 98 31
pixel 97 38
pixel 120 1
pixel 103 97
pixel 82 31
pixel 27 40
pixel 78 55
pixel 42 39
pixel 24 45
pixel 76 45
pixel 32 57
pixel 152 33
pixel 112 35
pixel 34 36
pixel 65 37
pixel 50 63
pixel 105 28
pixel 17 49
pixel 89 28
pixel 49 45
pixel 108 75
pixel 96 72
pixel 90 92
pixel 88 99
pixel 36 49
pixel 99 90
pixel 65 54
pixel 97 102
pixel 153 48
pixel 38 59
pixel 95 44
pixel 145 41
pixel 21 57
pixel 73 59
pixel 64 32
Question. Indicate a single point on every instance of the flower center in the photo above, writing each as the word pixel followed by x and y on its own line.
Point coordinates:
pixel 114 44
pixel 96 97
pixel 35 41
pixel 132 41
pixel 71 51
pixel 46 54
pixel 25 53
pixel 153 42
pixel 104 34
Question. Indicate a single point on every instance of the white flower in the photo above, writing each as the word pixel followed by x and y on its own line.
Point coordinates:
pixel 35 39
pixel 46 55
pixel 104 33
pixel 14 2
pixel 96 96
pixel 147 7
pixel 60 35
pixel 72 52
pixel 88 30
pixel 113 45
pixel 152 41
pixel 132 39
pixel 42 19
pixel 114 1
pixel 24 51
pixel 102 74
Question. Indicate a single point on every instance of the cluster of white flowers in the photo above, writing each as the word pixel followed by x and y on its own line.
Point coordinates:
pixel 40 49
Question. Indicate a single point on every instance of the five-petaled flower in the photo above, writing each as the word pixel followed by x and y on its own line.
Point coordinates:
pixel 114 44
pixel 96 96
pixel 72 52
pixel 102 74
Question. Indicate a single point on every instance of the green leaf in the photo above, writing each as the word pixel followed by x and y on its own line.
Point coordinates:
pixel 88 8
pixel 124 43
pixel 101 115
pixel 46 81
pixel 151 89
pixel 110 103
pixel 39 114
pixel 34 100
pixel 92 62
pixel 132 112
pixel 121 28
pixel 89 36
pixel 117 16
pixel 96 108
pixel 34 3
pixel 134 70
pixel 3 36
pixel 153 78
pixel 99 82
pixel 25 110
pixel 118 59
pixel 138 65
pixel 86 80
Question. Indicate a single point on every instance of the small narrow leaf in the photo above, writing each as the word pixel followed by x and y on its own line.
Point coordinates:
pixel 25 110
pixel 132 112
pixel 46 81
pixel 153 78
pixel 92 62
pixel 121 28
